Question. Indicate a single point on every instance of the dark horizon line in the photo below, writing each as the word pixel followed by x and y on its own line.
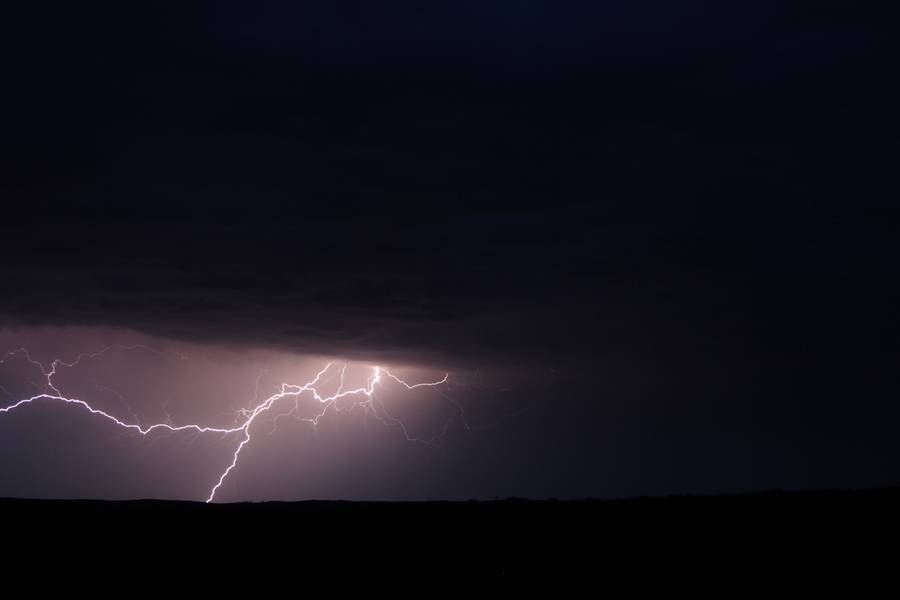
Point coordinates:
pixel 767 492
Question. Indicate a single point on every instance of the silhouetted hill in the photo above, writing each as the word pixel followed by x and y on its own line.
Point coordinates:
pixel 751 537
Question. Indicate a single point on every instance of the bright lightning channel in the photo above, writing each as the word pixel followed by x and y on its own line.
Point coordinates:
pixel 365 397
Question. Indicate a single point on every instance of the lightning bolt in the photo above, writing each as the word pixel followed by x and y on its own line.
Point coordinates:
pixel 363 397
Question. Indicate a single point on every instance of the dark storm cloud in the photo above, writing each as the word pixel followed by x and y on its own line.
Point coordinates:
pixel 518 181
pixel 683 213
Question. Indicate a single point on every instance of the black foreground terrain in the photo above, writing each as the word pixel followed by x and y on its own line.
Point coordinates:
pixel 813 537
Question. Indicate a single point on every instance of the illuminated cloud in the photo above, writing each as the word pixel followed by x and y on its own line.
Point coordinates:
pixel 119 384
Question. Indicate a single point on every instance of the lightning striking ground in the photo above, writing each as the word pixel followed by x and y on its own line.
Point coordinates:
pixel 364 397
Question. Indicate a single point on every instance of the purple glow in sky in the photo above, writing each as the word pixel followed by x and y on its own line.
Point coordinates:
pixel 193 415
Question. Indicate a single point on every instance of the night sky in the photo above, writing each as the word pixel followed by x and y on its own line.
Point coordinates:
pixel 653 243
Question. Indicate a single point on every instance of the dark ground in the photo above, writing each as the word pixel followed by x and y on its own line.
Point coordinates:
pixel 826 538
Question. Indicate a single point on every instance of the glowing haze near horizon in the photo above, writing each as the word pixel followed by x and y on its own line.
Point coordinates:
pixel 116 414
